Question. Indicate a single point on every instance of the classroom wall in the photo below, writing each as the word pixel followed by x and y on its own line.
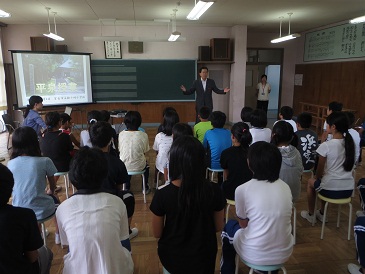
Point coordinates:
pixel 300 49
pixel 330 80
pixel 262 40
pixel 16 37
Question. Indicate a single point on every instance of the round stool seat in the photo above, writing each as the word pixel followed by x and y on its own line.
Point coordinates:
pixel 335 201
pixel 131 173
pixel 231 202
pixel 46 219
pixel 265 267
pixel 215 169
pixel 61 173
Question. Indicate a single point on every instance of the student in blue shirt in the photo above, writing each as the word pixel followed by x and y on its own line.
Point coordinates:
pixel 31 116
pixel 216 140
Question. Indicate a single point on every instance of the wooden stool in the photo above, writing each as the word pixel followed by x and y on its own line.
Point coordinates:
pixel 309 171
pixel 229 203
pixel 268 268
pixel 67 182
pixel 294 224
pixel 131 173
pixel 213 171
pixel 42 221
pixel 339 202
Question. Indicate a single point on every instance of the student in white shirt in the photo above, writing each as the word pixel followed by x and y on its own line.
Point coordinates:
pixel 262 235
pixel 259 131
pixel 354 134
pixel 92 118
pixel 92 222
pixel 334 172
pixel 286 114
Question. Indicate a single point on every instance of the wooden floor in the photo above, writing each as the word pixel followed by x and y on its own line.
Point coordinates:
pixel 311 255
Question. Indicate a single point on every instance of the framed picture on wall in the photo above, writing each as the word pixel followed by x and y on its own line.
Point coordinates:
pixel 113 50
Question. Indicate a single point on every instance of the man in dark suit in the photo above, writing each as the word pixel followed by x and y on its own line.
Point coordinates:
pixel 203 88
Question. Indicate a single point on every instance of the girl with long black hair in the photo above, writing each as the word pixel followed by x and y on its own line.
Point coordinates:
pixel 188 212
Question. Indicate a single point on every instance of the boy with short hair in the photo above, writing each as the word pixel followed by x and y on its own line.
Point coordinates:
pixel 307 140
pixel 93 223
pixel 286 114
pixel 66 127
pixel 101 135
pixel 262 234
pixel 216 140
pixel 333 106
pixel 246 115
pixel 133 144
pixel 201 128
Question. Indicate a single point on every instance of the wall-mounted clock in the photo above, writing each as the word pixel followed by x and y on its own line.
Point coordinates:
pixel 113 50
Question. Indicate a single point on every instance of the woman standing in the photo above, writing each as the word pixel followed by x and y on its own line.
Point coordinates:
pixel 262 92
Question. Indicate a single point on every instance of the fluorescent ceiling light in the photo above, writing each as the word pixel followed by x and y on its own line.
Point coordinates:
pixel 54 36
pixel 4 14
pixel 285 38
pixel 173 37
pixel 289 36
pixel 130 38
pixel 51 35
pixel 198 10
pixel 357 20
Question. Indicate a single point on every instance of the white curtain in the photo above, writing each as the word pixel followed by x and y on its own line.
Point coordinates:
pixel 3 103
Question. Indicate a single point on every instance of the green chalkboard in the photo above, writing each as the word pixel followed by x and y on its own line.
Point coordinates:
pixel 343 41
pixel 141 80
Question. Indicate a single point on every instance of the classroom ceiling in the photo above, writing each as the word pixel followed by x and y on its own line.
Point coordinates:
pixel 258 15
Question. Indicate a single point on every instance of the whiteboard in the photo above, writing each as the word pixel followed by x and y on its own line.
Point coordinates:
pixel 343 41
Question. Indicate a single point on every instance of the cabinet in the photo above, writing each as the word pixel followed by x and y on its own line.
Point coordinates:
pixel 319 115
pixel 220 49
pixel 41 44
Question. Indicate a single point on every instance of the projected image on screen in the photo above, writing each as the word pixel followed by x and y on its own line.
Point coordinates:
pixel 60 79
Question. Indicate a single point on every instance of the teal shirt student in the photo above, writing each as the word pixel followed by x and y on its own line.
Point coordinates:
pixel 200 129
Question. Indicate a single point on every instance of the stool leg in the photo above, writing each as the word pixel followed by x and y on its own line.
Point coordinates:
pixel 227 210
pixel 324 219
pixel 251 271
pixel 237 263
pixel 157 177
pixel 144 188
pixel 283 269
pixel 66 186
pixel 44 234
pixel 338 215
pixel 314 212
pixel 350 222
pixel 295 225
pixel 212 176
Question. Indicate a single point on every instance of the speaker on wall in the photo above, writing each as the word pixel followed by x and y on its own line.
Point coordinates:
pixel 220 49
pixel 204 53
pixel 135 47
